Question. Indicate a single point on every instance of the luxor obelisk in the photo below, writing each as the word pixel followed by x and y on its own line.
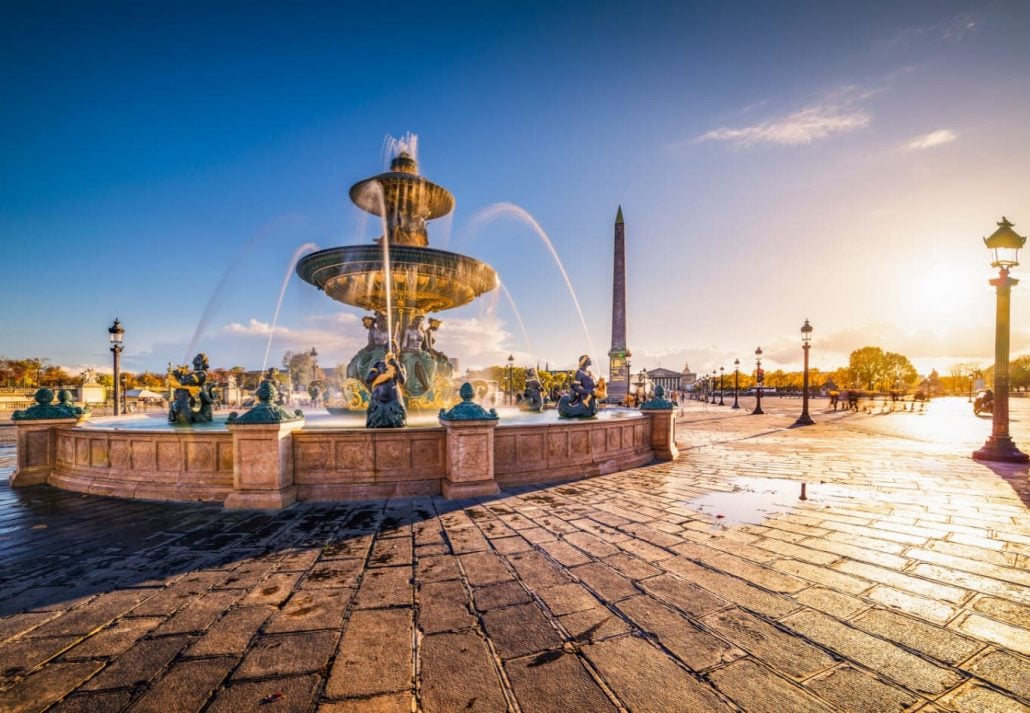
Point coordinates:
pixel 618 381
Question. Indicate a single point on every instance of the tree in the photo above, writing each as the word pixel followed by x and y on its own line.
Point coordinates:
pixel 867 367
pixel 898 371
pixel 300 367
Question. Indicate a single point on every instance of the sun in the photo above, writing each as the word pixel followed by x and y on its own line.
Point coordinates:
pixel 944 296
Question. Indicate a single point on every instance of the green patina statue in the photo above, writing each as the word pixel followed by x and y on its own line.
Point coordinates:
pixel 468 410
pixel 268 410
pixel 533 396
pixel 385 405
pixel 191 388
pixel 659 402
pixel 46 409
pixel 584 401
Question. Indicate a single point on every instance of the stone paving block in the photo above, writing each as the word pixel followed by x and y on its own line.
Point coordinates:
pixel 1004 670
pixel 385 703
pixel 697 649
pixel 20 656
pixel 606 582
pixel 822 575
pixel 139 664
pixel 644 550
pixel 509 545
pixel 987 569
pixel 458 674
pixel 538 535
pixel 437 568
pixel 906 582
pixel 593 625
pixel 45 686
pixel 443 606
pixel 773 646
pixel 93 614
pixel 970 552
pixel 386 587
pixel 933 641
pixel 391 553
pixel 535 571
pixel 15 624
pixel 288 654
pixel 631 567
pixel 233 632
pixel 93 702
pixel 974 582
pixel 881 656
pixel 1003 610
pixel 756 574
pixel 788 549
pixel 973 697
pixel 499 596
pixel 115 639
pixel 929 609
pixel 200 613
pixel 331 574
pixel 692 600
pixel 555 682
pixel 310 610
pixel 483 568
pixel 1005 635
pixel 732 589
pixel 590 544
pixel 375 654
pixel 295 694
pixel 861 554
pixel 567 599
pixel 653 682
pixel 858 692
pixel 273 590
pixel 564 553
pixel 185 687
pixel 837 605
pixel 520 630
pixel 758 690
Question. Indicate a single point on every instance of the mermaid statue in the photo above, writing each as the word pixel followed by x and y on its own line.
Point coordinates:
pixel 385 405
pixel 584 401
pixel 533 395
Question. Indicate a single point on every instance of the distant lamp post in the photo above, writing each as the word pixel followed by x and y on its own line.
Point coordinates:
pixel 736 382
pixel 117 332
pixel 806 343
pixel 1005 244
pixel 759 377
pixel 511 379
pixel 721 401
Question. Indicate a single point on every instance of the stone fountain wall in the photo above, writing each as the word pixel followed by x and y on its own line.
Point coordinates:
pixel 271 466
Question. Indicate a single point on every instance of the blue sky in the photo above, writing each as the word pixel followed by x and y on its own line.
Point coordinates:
pixel 835 161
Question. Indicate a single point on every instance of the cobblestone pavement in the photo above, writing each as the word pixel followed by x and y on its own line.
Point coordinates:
pixel 901 583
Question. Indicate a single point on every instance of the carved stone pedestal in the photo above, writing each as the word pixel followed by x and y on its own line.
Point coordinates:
pixel 37 449
pixel 470 459
pixel 263 465
pixel 663 433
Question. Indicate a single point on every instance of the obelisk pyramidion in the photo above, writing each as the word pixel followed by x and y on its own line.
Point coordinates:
pixel 618 380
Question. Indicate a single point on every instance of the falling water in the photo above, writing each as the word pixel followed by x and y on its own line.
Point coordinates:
pixel 393 146
pixel 518 316
pixel 510 209
pixel 297 255
pixel 387 271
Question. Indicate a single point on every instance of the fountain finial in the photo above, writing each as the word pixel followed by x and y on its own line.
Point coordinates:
pixel 404 162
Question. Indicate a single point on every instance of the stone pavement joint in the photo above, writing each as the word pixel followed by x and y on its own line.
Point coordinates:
pixel 901 584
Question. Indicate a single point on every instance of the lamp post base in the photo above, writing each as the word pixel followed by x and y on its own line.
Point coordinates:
pixel 1001 449
pixel 804 420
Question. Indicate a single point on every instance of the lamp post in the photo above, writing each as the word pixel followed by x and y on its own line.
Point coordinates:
pixel 116 332
pixel 806 343
pixel 1005 243
pixel 759 375
pixel 511 379
pixel 736 382
pixel 722 392
pixel 125 397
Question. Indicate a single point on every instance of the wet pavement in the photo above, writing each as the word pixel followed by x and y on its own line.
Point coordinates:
pixel 901 583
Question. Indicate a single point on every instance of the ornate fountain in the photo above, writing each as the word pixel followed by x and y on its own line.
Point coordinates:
pixel 401 281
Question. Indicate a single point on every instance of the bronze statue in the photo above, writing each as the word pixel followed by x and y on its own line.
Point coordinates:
pixel 191 387
pixel 532 397
pixel 385 405
pixel 584 401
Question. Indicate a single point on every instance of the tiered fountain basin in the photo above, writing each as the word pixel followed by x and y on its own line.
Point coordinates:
pixel 328 457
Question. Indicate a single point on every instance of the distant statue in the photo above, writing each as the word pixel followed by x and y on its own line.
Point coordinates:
pixel 193 396
pixel 378 334
pixel 586 393
pixel 272 375
pixel 533 395
pixel 89 376
pixel 429 337
pixel 385 405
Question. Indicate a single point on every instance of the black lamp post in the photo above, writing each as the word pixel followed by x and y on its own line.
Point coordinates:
pixel 125 397
pixel 117 332
pixel 511 379
pixel 736 382
pixel 721 392
pixel 1005 242
pixel 759 376
pixel 806 343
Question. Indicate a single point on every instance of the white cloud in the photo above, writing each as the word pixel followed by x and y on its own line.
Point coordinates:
pixel 253 328
pixel 934 138
pixel 805 126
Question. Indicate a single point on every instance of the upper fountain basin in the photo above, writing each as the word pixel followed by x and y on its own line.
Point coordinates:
pixel 423 279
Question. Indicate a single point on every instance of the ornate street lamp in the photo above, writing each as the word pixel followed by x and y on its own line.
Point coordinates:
pixel 117 332
pixel 736 382
pixel 1005 243
pixel 806 343
pixel 721 392
pixel 759 377
pixel 511 379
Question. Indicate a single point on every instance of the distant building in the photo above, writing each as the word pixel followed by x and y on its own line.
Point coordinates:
pixel 666 378
pixel 689 378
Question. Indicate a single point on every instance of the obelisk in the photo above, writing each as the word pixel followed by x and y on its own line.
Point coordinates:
pixel 618 381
